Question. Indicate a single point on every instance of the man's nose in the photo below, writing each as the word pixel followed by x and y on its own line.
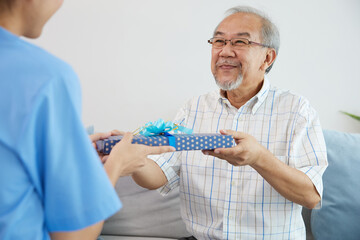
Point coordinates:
pixel 227 50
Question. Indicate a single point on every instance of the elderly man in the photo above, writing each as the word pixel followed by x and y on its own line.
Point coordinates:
pixel 277 163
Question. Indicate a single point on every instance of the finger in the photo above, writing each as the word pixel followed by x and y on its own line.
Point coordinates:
pixel 211 153
pixel 229 159
pixel 127 138
pixel 225 132
pixel 235 134
pixel 220 150
pixel 207 152
pixel 116 132
pixel 226 153
pixel 158 150
pixel 215 152
pixel 104 158
pixel 98 136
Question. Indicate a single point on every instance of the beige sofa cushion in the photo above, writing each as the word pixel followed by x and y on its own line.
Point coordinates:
pixel 145 213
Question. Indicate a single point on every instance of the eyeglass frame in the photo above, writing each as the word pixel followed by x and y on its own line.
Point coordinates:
pixel 231 41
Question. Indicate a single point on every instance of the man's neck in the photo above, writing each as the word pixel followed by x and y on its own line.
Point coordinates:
pixel 12 22
pixel 238 97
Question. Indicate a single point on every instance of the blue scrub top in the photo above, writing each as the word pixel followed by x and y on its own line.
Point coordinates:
pixel 51 178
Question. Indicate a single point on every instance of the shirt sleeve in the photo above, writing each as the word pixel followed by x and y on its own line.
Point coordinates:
pixel 67 172
pixel 308 149
pixel 170 162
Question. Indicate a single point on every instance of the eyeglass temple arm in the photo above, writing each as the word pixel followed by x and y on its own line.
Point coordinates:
pixel 259 44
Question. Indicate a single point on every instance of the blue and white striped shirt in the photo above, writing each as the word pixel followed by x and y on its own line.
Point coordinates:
pixel 221 201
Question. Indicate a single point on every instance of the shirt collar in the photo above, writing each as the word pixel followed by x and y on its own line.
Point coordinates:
pixel 260 97
pixel 257 100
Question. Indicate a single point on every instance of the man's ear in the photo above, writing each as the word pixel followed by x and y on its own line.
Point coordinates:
pixel 269 58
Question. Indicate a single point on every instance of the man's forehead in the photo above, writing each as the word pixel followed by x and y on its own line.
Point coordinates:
pixel 238 34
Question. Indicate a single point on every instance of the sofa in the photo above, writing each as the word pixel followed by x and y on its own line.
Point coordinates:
pixel 149 216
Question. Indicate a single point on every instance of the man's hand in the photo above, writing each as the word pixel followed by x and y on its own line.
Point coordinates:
pixel 126 158
pixel 291 183
pixel 246 152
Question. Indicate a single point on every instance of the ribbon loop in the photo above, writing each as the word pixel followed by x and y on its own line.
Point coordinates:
pixel 161 127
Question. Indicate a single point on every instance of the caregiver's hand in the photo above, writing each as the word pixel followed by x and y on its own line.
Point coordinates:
pixel 126 158
pixel 100 136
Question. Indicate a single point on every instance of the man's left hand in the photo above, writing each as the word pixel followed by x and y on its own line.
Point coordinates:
pixel 246 152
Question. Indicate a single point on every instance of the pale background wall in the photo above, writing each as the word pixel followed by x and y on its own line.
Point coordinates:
pixel 141 60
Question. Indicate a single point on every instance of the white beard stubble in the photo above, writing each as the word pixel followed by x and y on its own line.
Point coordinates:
pixel 228 86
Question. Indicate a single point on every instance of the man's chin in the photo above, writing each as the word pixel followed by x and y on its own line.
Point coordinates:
pixel 228 85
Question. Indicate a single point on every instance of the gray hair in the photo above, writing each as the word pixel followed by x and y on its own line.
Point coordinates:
pixel 269 32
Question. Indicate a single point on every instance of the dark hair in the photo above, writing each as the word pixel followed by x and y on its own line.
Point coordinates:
pixel 7 5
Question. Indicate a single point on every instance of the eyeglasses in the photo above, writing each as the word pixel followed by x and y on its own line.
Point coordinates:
pixel 237 43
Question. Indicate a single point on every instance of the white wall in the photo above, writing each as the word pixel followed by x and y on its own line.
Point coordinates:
pixel 141 60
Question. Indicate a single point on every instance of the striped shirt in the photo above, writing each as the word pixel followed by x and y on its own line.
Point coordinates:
pixel 222 201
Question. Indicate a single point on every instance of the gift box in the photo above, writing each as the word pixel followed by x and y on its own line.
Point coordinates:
pixel 181 142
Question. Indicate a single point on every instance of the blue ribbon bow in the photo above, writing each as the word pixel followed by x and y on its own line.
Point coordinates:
pixel 161 127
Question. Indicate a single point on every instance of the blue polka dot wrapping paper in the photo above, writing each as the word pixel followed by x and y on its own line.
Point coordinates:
pixel 181 142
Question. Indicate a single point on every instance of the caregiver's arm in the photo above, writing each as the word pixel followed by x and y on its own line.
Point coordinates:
pixel 125 158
